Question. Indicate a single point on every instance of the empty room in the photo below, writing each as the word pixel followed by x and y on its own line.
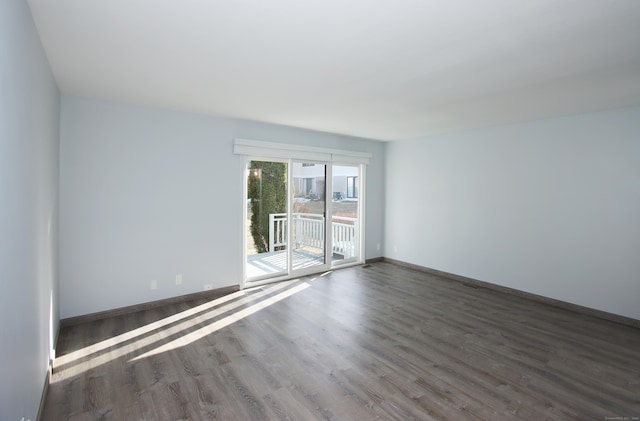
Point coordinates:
pixel 350 210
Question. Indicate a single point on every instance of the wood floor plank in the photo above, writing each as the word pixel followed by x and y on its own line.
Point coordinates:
pixel 286 407
pixel 377 342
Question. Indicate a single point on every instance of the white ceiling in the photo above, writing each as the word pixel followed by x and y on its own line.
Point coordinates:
pixel 388 70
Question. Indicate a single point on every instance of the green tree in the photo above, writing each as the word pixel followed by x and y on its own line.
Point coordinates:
pixel 268 193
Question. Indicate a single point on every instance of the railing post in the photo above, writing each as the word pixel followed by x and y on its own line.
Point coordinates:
pixel 271 231
pixel 355 239
pixel 298 230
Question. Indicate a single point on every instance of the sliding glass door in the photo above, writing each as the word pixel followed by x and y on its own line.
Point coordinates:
pixel 345 213
pixel 308 203
pixel 267 251
pixel 302 217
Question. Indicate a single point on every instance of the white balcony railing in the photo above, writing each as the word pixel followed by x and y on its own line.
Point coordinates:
pixel 308 231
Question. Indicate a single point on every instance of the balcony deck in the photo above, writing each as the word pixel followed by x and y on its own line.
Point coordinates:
pixel 276 261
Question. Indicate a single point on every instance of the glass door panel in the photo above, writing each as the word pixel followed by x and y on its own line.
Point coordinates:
pixel 345 213
pixel 308 204
pixel 267 237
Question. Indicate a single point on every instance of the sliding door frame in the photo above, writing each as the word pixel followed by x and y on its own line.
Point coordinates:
pixel 267 278
pixel 253 150
pixel 359 259
pixel 327 226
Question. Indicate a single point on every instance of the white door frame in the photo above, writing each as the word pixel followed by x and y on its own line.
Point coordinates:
pixel 329 263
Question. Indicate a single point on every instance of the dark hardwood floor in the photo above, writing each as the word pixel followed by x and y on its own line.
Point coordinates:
pixel 363 343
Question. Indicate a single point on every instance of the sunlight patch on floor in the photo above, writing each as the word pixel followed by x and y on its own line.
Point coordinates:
pixel 224 322
pixel 75 355
pixel 128 343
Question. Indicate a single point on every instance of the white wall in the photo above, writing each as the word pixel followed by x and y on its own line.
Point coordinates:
pixel 148 194
pixel 29 142
pixel 550 207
